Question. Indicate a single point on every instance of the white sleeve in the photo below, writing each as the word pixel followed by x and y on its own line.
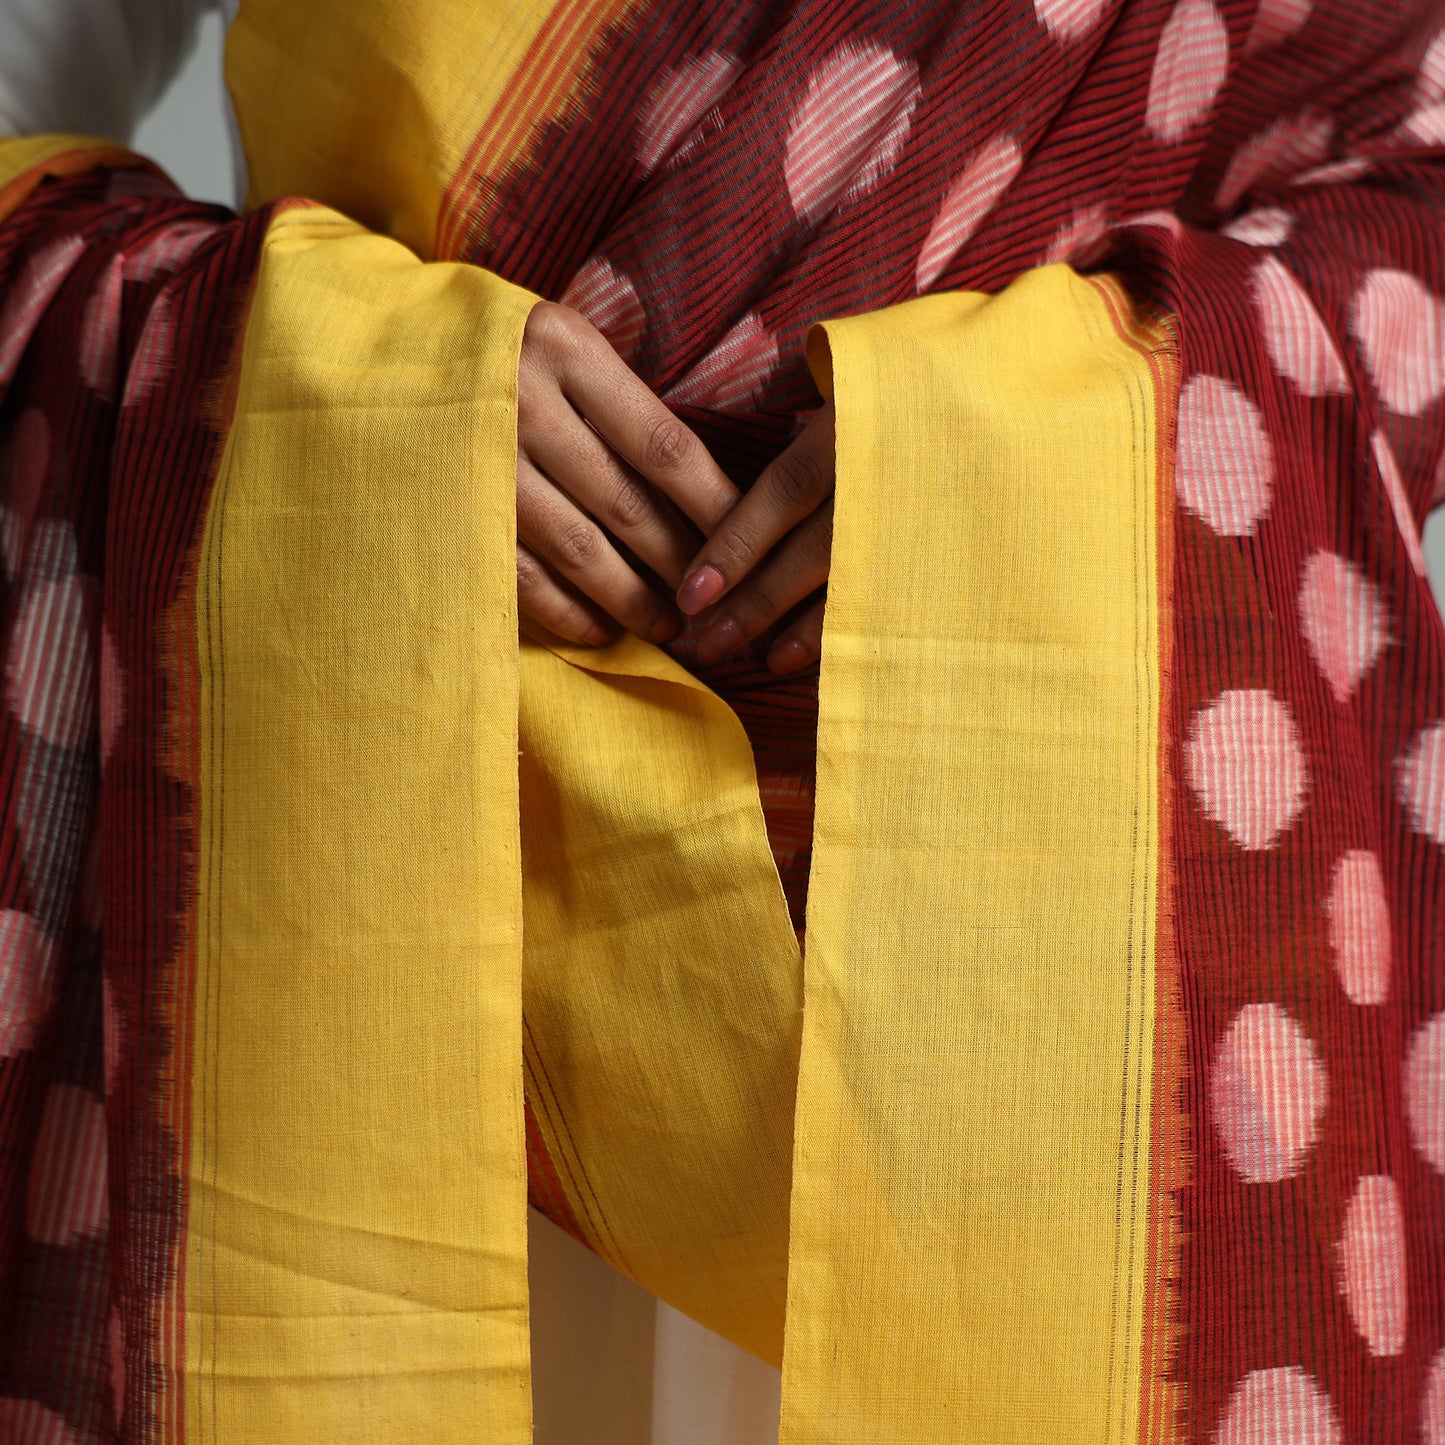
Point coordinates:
pixel 89 67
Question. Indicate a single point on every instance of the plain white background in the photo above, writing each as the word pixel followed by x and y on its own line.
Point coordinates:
pixel 187 132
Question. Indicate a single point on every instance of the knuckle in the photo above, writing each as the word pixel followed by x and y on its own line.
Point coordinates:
pixel 553 329
pixel 528 402
pixel 529 574
pixel 741 550
pixel 572 621
pixel 542 321
pixel 718 514
pixel 799 478
pixel 817 545
pixel 639 619
pixel 669 444
pixel 760 605
pixel 578 546
pixel 629 504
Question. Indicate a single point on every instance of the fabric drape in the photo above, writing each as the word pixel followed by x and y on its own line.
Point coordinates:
pixel 1107 1100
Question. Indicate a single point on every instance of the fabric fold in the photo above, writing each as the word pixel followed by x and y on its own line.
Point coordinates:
pixel 972 1174
pixel 663 986
pixel 1105 1105
pixel 359 915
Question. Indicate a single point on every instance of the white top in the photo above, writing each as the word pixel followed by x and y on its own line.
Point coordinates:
pixel 91 67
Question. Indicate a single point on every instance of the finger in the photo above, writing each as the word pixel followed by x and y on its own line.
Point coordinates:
pixel 572 454
pixel 797 568
pixel 543 599
pixel 792 488
pixel 628 415
pixel 800 644
pixel 574 545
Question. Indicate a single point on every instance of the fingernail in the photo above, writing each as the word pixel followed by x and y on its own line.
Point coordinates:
pixel 664 630
pixel 597 636
pixel 699 588
pixel 788 656
pixel 718 638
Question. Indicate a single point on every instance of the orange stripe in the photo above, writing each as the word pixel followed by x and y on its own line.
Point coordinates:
pixel 1161 1413
pixel 546 1183
pixel 531 96
pixel 1161 1417
pixel 1161 1393
pixel 488 148
pixel 547 74
pixel 183 760
pixel 181 757
pixel 17 188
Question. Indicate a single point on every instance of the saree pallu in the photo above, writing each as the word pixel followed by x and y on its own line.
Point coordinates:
pixel 1110 1102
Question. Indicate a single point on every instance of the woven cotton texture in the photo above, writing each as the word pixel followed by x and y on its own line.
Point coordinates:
pixel 1109 1103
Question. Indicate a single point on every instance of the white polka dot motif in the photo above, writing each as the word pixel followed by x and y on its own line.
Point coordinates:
pixel 1244 761
pixel 1267 1091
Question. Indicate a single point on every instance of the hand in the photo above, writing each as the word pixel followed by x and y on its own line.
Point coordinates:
pixel 602 464
pixel 769 554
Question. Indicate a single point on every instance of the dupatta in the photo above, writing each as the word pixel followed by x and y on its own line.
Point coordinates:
pixel 1108 1103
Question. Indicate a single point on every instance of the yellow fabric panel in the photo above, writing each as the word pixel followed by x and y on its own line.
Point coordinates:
pixel 971 1168
pixel 663 987
pixel 356 1249
pixel 372 107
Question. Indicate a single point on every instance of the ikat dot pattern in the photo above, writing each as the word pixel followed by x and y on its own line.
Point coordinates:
pixel 1215 153
pixel 1307 658
pixel 89 340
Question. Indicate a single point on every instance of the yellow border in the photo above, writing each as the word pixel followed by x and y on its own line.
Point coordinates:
pixel 26 161
pixel 971 1175
pixel 375 109
pixel 355 1246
